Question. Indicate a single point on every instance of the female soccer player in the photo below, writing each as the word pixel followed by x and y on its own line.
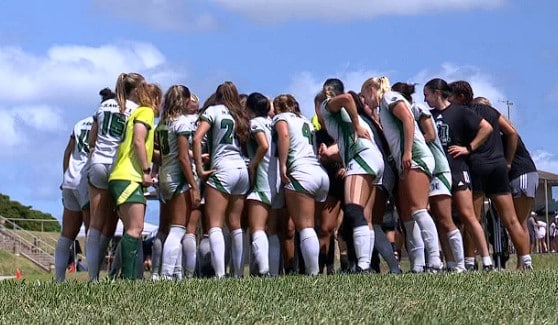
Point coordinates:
pixel 440 185
pixel 263 180
pixel 456 127
pixel 132 173
pixel 489 169
pixel 74 194
pixel 177 184
pixel 227 179
pixel 363 162
pixel 305 181
pixel 106 134
pixel 413 159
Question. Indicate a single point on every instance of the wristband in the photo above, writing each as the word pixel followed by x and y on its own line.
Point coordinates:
pixel 147 171
pixel 468 147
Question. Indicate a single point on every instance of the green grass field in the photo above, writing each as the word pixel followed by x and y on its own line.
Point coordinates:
pixel 476 297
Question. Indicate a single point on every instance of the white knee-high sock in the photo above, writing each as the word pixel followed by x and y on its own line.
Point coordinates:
pixel 61 257
pixel 178 271
pixel 415 246
pixel 260 248
pixel 171 249
pixel 274 254
pixel 189 252
pixel 429 237
pixel 237 239
pixel 361 239
pixel 310 248
pixel 217 246
pixel 92 253
pixel 456 244
pixel 385 249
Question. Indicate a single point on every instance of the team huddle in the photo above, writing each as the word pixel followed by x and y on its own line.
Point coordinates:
pixel 250 163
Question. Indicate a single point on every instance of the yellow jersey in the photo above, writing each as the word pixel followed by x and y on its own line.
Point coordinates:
pixel 127 166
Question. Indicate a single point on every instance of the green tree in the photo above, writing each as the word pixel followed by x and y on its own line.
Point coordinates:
pixel 13 209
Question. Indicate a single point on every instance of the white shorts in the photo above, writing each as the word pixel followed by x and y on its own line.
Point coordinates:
pixel 312 180
pixel 440 184
pixel 426 164
pixel 75 199
pixel 172 185
pixel 235 181
pixel 541 233
pixel 367 162
pixel 99 175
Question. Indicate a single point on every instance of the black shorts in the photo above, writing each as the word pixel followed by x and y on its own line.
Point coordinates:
pixel 491 179
pixel 460 181
pixel 336 184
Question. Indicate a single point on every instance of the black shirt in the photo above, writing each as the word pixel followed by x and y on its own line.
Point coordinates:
pixel 457 125
pixel 492 150
pixel 522 162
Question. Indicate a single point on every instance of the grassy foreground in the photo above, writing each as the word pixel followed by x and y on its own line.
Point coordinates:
pixel 477 297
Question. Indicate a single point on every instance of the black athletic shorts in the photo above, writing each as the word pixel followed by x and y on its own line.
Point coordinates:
pixel 491 179
pixel 460 181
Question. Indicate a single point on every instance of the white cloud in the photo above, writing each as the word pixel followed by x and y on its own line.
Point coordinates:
pixel 21 125
pixel 170 15
pixel 281 10
pixel 482 83
pixel 304 85
pixel 545 160
pixel 72 74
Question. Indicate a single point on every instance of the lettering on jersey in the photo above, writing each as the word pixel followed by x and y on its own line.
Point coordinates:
pixel 443 132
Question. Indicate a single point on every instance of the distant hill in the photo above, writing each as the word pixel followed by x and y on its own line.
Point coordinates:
pixel 13 209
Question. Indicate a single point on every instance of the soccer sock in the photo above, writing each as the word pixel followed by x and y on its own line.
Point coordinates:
pixel 92 253
pixel 456 244
pixel 129 251
pixel 415 246
pixel 274 254
pixel 156 253
pixel 385 249
pixel 310 249
pixel 189 252
pixel 429 235
pixel 171 250
pixel 260 248
pixel 61 258
pixel 361 239
pixel 178 271
pixel 486 260
pixel 217 246
pixel 237 238
pixel 526 261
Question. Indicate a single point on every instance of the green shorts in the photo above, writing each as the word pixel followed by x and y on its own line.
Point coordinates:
pixel 126 192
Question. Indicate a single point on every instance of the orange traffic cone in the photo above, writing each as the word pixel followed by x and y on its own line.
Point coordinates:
pixel 18 274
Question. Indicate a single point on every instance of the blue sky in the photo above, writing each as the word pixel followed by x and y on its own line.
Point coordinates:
pixel 56 55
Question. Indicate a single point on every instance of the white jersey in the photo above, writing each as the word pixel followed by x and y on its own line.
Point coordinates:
pixel 265 179
pixel 301 135
pixel 341 129
pixel 393 130
pixel 168 133
pixel 224 148
pixel 442 165
pixel 78 164
pixel 111 126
